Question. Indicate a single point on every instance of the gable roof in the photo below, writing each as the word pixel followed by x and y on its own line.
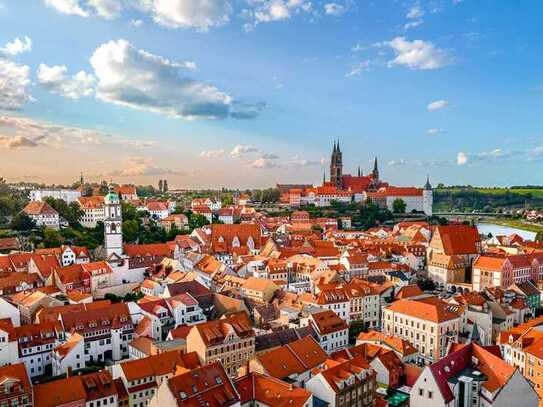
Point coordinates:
pixel 295 357
pixel 459 239
pixel 429 309
pixel 270 391
pixel 208 385
pixel 39 208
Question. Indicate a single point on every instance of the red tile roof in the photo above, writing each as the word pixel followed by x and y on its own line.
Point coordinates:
pixel 270 391
pixel 39 208
pixel 208 385
pixel 459 239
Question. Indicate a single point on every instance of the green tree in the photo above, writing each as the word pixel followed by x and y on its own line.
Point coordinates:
pixel 196 220
pixel 398 206
pixel 539 236
pixel 129 212
pixel 52 238
pixel 131 229
pixel 22 222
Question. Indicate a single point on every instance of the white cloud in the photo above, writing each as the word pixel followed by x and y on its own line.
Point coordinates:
pixel 357 69
pixel 461 158
pixel 17 46
pixel 106 8
pixel 334 9
pixel 437 105
pixel 241 150
pixel 53 135
pixel 142 166
pixel 189 13
pixel 263 163
pixel 138 79
pixel 136 23
pixel 270 156
pixel 71 7
pixel 14 80
pixel 412 24
pixel 303 162
pixel 211 154
pixel 415 12
pixel 200 14
pixel 418 54
pixel 435 131
pixel 16 142
pixel 265 11
pixel 54 79
pixel 86 8
pixel 498 155
pixel 397 163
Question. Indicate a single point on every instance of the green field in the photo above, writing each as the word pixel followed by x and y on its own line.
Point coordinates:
pixel 535 192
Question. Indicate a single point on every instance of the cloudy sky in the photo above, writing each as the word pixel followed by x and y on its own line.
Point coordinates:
pixel 247 93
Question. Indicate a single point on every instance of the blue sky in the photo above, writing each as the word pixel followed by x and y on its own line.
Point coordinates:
pixel 247 93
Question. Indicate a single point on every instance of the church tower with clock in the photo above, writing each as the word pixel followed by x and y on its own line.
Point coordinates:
pixel 113 235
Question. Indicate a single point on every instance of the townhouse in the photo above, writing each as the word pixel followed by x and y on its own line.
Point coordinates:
pixel 472 375
pixel 230 340
pixel 205 386
pixel 504 271
pixel 451 252
pixel 142 377
pixel 332 331
pixel 428 323
pixel 36 344
pixel 293 362
pixel 350 383
pixel 106 331
pixel 16 386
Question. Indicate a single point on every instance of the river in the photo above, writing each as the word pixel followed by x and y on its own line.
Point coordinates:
pixel 486 228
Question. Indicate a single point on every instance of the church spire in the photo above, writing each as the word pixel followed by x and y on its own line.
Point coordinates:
pixel 428 186
pixel 81 181
pixel 323 177
pixel 359 173
pixel 375 172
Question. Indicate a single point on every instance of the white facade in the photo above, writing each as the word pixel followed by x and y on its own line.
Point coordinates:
pixel 427 202
pixel 10 311
pixel 72 360
pixel 49 220
pixel 113 236
pixel 67 195
pixel 91 216
pixel 9 350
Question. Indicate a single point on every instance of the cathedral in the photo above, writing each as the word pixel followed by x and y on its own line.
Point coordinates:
pixel 349 182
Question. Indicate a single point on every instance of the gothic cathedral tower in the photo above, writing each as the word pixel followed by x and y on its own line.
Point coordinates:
pixel 336 167
pixel 113 235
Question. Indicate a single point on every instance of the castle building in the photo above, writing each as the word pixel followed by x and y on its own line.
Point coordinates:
pixel 346 188
pixel 113 235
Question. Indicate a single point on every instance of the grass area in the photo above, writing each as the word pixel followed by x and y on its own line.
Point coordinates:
pixel 536 192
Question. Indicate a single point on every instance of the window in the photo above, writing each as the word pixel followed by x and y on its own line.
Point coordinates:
pixel 421 392
pixel 430 394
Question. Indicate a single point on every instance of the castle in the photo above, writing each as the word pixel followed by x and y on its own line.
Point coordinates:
pixel 347 188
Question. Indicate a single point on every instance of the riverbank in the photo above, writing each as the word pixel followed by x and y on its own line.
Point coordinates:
pixel 515 223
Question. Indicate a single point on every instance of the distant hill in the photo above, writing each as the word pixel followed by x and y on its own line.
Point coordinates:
pixel 487 199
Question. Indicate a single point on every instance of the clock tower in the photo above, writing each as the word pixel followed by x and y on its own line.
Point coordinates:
pixel 113 235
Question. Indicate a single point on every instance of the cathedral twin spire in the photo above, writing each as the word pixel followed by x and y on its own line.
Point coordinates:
pixel 336 167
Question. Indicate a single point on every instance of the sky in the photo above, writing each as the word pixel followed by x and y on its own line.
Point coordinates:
pixel 249 93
